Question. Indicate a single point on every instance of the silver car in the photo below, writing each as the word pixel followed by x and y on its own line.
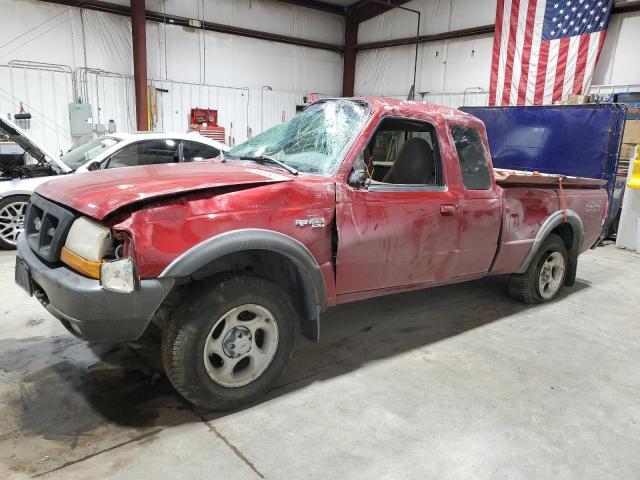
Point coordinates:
pixel 21 174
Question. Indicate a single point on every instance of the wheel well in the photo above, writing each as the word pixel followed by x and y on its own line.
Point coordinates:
pixel 277 268
pixel 565 232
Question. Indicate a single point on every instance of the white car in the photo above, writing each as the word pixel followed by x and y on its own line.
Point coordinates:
pixel 18 179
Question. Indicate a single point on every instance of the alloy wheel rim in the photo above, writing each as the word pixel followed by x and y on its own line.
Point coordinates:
pixel 551 275
pixel 12 221
pixel 241 345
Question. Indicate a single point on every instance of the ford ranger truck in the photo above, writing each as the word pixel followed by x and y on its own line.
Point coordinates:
pixel 349 200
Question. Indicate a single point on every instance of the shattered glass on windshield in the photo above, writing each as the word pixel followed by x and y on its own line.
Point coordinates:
pixel 314 141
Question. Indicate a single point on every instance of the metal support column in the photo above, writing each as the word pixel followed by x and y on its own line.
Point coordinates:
pixel 139 32
pixel 349 56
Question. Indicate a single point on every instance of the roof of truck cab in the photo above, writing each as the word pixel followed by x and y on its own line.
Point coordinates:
pixel 409 106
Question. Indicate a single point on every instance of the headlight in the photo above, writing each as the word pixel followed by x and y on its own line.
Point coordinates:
pixel 88 239
pixel 86 245
pixel 119 275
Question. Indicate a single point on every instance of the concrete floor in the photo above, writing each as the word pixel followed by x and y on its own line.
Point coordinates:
pixel 457 382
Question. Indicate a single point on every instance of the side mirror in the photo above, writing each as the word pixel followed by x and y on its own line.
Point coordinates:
pixel 93 166
pixel 358 175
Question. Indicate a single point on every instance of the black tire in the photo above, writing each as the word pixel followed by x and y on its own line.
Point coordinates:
pixel 4 244
pixel 184 338
pixel 525 287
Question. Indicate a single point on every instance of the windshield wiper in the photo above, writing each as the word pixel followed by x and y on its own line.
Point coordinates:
pixel 267 159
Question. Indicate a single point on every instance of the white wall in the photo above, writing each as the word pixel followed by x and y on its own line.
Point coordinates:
pixel 446 69
pixel 446 66
pixel 619 62
pixel 200 69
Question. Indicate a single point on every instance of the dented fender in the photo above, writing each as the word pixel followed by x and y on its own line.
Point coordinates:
pixel 208 251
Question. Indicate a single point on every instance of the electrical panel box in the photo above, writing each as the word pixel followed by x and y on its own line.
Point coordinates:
pixel 80 120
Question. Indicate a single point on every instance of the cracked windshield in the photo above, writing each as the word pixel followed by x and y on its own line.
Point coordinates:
pixel 313 141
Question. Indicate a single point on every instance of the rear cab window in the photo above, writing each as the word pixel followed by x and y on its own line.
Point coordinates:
pixel 472 157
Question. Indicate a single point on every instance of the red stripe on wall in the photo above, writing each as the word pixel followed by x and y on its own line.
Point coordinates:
pixel 581 64
pixel 511 51
pixel 526 51
pixel 495 61
pixel 563 53
pixel 541 77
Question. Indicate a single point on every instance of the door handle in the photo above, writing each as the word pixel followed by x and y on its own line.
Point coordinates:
pixel 448 210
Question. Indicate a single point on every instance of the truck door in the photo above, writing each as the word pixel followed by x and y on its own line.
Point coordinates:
pixel 401 227
pixel 481 203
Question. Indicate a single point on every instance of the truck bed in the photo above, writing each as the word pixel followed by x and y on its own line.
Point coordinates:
pixel 518 178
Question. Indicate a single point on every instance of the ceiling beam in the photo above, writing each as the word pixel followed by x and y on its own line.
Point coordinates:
pixel 626 7
pixel 317 5
pixel 367 9
pixel 169 19
pixel 396 42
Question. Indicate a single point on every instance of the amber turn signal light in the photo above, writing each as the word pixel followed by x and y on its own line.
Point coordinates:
pixel 79 264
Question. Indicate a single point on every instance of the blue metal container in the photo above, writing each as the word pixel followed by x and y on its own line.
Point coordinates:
pixel 574 140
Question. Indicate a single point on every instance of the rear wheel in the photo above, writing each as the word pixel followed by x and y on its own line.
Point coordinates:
pixel 230 342
pixel 12 212
pixel 546 273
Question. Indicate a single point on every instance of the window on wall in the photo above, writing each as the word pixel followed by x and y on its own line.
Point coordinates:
pixel 472 158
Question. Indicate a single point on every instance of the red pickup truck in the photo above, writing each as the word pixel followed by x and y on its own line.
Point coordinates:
pixel 350 199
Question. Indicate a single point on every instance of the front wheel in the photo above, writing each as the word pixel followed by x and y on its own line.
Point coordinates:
pixel 12 212
pixel 546 273
pixel 230 342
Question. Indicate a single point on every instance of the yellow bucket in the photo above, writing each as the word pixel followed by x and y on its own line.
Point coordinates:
pixel 634 181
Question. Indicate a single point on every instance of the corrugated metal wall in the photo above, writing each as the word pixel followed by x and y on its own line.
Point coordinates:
pixel 470 98
pixel 47 91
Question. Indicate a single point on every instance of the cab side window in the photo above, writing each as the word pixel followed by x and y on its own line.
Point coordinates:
pixel 194 151
pixel 148 152
pixel 404 152
pixel 472 158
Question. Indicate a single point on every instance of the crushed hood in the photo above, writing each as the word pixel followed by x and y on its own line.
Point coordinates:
pixel 100 193
pixel 37 151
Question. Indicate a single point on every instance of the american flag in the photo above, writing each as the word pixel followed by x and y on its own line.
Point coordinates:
pixel 545 50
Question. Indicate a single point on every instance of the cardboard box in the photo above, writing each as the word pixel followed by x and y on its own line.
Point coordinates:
pixel 627 150
pixel 633 114
pixel 578 99
pixel 631 132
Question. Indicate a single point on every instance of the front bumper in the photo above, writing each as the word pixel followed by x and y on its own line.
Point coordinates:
pixel 85 308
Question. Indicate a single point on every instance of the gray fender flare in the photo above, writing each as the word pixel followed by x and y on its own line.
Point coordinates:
pixel 235 241
pixel 547 227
